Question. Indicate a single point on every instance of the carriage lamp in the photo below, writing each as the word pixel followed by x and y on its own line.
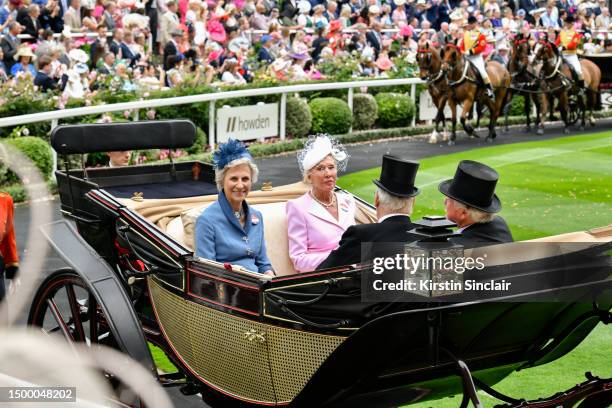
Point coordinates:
pixel 434 265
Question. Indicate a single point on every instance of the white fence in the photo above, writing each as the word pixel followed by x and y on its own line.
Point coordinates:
pixel 211 98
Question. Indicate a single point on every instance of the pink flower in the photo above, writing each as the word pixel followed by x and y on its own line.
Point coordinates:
pixel 126 114
pixel 151 114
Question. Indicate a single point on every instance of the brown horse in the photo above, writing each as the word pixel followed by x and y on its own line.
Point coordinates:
pixel 465 88
pixel 524 81
pixel 430 70
pixel 556 77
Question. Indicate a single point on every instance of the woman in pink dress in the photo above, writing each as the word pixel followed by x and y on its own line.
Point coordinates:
pixel 317 220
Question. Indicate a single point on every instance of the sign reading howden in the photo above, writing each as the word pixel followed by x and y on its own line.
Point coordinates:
pixel 247 122
pixel 427 109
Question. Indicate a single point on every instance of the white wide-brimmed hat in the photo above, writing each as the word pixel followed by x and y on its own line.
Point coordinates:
pixel 304 6
pixel 78 55
pixel 318 147
pixel 399 2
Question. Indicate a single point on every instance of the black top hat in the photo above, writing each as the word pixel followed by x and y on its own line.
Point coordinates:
pixel 397 176
pixel 471 20
pixel 474 185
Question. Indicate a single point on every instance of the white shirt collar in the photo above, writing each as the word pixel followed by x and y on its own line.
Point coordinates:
pixel 392 215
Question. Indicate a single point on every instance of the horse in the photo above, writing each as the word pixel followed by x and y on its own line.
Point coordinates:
pixel 465 88
pixel 524 81
pixel 556 75
pixel 430 63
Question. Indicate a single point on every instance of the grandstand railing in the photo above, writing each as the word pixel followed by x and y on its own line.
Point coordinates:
pixel 56 115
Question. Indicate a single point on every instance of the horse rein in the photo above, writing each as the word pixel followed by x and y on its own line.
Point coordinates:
pixel 429 79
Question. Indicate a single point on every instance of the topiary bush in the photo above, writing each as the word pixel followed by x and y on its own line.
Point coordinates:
pixel 330 115
pixel 36 150
pixel 394 110
pixel 365 111
pixel 298 119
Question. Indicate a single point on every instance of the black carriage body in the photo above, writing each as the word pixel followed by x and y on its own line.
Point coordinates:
pixel 237 336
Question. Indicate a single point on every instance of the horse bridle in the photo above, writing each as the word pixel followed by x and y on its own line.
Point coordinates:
pixel 440 74
pixel 557 60
pixel 466 66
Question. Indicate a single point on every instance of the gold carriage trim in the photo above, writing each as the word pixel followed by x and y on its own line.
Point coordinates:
pixel 248 359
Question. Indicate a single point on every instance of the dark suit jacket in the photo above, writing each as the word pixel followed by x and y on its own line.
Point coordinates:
pixel 56 24
pixel 288 10
pixel 393 229
pixel 9 48
pixel 30 27
pixel 114 47
pixel 169 49
pixel 372 39
pixel 264 55
pixel 496 231
pixel 128 54
pixel 44 81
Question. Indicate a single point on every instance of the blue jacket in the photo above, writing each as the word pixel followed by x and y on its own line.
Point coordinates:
pixel 220 237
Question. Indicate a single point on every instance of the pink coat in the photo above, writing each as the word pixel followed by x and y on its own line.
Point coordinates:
pixel 313 232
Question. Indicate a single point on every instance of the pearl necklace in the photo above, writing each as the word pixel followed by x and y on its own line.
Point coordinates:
pixel 326 205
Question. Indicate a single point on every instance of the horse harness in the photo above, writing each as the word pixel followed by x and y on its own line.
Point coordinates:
pixel 441 74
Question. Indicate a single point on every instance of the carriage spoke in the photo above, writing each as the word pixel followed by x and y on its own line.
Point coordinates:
pixel 76 313
pixel 92 311
pixel 60 320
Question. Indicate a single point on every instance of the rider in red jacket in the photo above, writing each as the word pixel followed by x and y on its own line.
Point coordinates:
pixel 472 45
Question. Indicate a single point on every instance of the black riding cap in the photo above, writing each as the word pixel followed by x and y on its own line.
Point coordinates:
pixel 474 185
pixel 397 176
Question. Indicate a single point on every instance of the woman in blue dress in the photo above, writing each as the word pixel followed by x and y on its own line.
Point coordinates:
pixel 229 230
pixel 24 58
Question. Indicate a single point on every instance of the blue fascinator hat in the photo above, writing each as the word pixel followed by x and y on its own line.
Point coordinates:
pixel 230 151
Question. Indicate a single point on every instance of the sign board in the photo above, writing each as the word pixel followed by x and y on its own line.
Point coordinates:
pixel 247 122
pixel 427 109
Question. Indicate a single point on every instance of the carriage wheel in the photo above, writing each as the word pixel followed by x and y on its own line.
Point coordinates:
pixel 64 306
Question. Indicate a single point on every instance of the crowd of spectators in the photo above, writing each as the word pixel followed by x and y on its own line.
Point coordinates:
pixel 76 47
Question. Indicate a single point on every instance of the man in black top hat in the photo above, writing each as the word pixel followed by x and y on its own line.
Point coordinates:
pixel 471 203
pixel 394 200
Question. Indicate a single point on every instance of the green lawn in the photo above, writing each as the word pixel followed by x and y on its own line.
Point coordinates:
pixel 546 188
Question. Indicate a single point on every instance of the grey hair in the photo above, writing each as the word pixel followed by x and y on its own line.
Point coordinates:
pixel 394 203
pixel 475 215
pixel 220 174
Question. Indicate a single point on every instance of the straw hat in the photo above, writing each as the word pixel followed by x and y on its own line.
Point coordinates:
pixel 457 14
pixel 24 52
pixel 399 2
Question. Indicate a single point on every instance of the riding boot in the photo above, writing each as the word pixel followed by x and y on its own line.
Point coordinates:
pixel 580 85
pixel 490 93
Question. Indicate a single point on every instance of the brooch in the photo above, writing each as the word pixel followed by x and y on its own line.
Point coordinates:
pixel 254 219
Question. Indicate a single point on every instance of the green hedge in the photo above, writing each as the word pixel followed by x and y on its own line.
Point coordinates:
pixel 365 111
pixel 394 110
pixel 330 115
pixel 34 148
pixel 298 117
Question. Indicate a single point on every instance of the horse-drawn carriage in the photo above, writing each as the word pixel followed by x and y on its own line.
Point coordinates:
pixel 299 340
pixel 604 62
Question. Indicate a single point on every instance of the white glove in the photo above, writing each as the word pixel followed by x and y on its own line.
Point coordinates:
pixel 14 285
